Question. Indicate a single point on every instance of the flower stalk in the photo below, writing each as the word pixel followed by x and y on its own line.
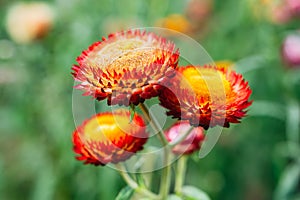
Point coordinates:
pixel 141 190
pixel 180 174
pixel 154 124
pixel 166 173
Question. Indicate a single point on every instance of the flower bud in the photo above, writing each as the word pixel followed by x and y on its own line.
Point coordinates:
pixel 191 143
pixel 291 50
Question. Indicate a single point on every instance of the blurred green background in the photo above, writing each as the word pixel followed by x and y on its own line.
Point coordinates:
pixel 255 160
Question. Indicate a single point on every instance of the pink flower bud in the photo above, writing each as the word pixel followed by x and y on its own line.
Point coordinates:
pixel 291 50
pixel 191 143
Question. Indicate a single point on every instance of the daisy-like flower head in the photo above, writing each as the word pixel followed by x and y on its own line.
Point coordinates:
pixel 207 96
pixel 191 143
pixel 109 138
pixel 126 68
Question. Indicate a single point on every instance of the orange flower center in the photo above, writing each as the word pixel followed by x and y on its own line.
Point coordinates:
pixel 209 84
pixel 124 54
pixel 108 127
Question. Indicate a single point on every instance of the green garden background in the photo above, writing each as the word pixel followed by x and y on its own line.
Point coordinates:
pixel 257 159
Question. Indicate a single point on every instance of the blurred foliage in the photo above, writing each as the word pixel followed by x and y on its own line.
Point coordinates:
pixel 257 159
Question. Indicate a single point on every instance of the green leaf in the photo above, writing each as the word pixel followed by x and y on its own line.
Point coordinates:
pixel 268 109
pixel 288 182
pixel 125 194
pixel 193 193
pixel 174 197
pixel 140 179
pixel 132 112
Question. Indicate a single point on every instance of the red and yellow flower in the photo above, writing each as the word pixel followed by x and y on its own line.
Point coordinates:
pixel 191 143
pixel 126 68
pixel 109 137
pixel 207 96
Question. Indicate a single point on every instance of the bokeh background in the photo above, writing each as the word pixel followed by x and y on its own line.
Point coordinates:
pixel 257 159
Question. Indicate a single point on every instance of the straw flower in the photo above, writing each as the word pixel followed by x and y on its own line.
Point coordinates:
pixel 109 138
pixel 126 68
pixel 207 96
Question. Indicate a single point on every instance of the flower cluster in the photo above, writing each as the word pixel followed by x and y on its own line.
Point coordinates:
pixel 129 67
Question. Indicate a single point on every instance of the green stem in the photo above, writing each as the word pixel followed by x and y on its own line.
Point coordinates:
pixel 154 124
pixel 166 173
pixel 180 174
pixel 181 137
pixel 165 180
pixel 141 190
pixel 292 126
